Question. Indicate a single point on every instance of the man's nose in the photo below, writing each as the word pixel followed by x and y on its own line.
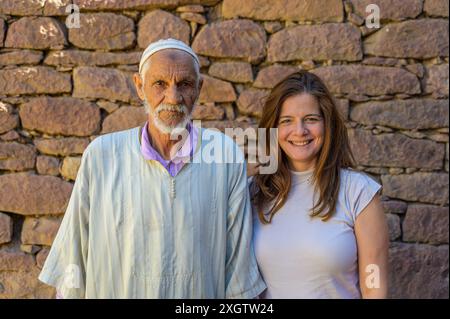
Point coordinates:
pixel 173 95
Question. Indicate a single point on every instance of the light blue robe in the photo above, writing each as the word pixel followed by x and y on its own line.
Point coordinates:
pixel 133 231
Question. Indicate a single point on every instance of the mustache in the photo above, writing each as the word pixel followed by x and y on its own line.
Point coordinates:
pixel 160 124
pixel 180 108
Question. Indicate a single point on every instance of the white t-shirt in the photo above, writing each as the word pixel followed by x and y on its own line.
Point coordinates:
pixel 303 257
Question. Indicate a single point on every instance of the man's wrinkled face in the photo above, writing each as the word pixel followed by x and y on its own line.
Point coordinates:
pixel 169 87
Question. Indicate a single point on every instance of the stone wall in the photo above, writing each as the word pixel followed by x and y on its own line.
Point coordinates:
pixel 61 87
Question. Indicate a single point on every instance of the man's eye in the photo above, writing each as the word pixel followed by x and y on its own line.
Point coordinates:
pixel 185 84
pixel 159 83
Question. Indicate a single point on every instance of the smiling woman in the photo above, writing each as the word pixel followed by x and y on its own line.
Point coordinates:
pixel 317 215
pixel 301 130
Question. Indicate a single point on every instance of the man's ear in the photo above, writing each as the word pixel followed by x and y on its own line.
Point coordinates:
pixel 138 83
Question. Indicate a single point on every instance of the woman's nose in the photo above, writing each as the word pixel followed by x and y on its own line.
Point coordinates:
pixel 301 128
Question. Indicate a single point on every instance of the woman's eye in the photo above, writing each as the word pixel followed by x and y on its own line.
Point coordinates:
pixel 311 119
pixel 284 121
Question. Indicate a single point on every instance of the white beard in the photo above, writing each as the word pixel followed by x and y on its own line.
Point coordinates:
pixel 159 123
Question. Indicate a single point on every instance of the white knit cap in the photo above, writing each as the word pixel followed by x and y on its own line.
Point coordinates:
pixel 163 45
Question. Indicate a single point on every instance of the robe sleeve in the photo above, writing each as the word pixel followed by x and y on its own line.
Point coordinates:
pixel 65 266
pixel 243 279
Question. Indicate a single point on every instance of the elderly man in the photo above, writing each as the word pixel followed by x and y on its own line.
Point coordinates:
pixel 148 218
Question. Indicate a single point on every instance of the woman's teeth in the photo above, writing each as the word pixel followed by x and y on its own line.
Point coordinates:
pixel 301 143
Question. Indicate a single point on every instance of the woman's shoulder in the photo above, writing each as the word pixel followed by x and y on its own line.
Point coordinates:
pixel 357 191
pixel 352 180
pixel 351 174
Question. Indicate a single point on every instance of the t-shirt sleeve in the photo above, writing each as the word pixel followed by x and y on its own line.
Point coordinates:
pixel 65 266
pixel 361 189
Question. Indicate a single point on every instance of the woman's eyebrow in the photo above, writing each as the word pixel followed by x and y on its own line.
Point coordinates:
pixel 313 114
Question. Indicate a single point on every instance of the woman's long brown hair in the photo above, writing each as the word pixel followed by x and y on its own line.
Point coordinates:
pixel 335 154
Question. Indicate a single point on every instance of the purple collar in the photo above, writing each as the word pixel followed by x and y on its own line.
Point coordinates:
pixel 174 165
